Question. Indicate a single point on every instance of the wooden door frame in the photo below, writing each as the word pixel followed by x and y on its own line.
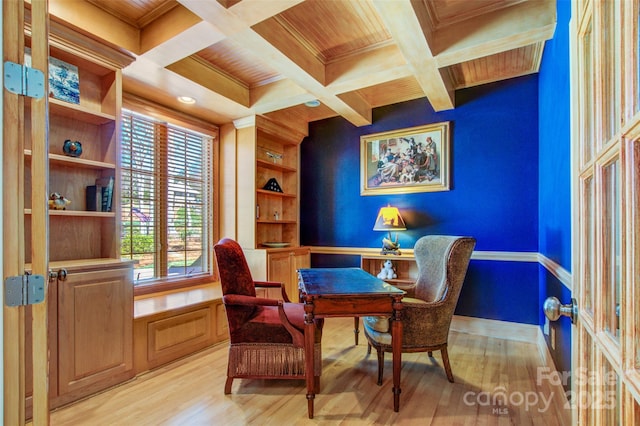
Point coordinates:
pixel 1 229
pixel 14 360
pixel 600 346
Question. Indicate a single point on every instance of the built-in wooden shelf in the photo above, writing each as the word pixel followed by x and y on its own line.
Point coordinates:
pixel 79 112
pixel 87 264
pixel 76 213
pixel 276 194
pixel 74 161
pixel 283 222
pixel 274 166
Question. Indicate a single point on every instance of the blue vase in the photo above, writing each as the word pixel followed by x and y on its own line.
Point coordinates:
pixel 73 149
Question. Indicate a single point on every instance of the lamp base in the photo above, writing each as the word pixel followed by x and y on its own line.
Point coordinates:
pixel 386 251
pixel 389 246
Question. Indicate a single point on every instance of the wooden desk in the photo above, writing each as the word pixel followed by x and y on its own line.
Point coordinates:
pixel 348 292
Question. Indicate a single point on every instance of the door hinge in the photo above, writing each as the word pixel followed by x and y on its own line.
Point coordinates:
pixel 23 80
pixel 23 290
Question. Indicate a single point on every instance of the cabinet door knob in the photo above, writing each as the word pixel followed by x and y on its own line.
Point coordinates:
pixel 60 275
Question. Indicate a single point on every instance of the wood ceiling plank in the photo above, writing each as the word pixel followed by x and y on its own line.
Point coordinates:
pixel 355 114
pixel 288 49
pixel 448 12
pixel 234 59
pixel 403 24
pixel 506 29
pixel 514 63
pixel 332 29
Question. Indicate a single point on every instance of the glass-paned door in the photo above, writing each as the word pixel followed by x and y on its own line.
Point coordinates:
pixel 606 179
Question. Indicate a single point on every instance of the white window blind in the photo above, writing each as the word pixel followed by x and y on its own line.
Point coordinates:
pixel 166 198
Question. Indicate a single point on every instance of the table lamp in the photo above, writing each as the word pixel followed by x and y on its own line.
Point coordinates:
pixel 389 219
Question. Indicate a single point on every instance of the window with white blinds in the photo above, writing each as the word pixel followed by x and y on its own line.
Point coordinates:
pixel 166 199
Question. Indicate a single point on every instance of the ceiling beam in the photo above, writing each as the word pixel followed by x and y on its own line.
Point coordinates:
pixel 506 29
pixel 202 73
pixel 152 81
pixel 188 42
pixel 278 95
pixel 254 11
pixel 96 21
pixel 403 24
pixel 366 69
pixel 269 42
pixel 167 27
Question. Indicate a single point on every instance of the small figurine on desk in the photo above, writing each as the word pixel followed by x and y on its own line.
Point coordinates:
pixel 58 201
pixel 387 272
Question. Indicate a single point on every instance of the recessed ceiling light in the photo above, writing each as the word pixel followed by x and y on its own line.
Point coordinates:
pixel 314 103
pixel 186 99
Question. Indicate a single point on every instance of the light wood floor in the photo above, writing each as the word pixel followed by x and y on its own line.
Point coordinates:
pixel 487 371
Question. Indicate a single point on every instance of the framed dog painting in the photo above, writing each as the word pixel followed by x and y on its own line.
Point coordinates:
pixel 405 161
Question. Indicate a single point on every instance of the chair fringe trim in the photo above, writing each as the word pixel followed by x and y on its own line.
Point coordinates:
pixel 270 360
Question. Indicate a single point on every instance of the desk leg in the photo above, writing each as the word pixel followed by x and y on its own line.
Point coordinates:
pixel 309 337
pixel 396 346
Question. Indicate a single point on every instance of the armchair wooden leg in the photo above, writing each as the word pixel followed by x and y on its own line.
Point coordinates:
pixel 445 361
pixel 430 353
pixel 380 365
pixel 369 349
pixel 356 328
pixel 227 385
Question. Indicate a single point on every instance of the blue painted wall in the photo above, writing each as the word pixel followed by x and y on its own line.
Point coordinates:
pixel 493 196
pixel 510 188
pixel 555 136
pixel 555 179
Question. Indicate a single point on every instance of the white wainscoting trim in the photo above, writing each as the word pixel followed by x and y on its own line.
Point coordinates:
pixel 505 256
pixel 495 328
pixel 557 271
pixel 554 268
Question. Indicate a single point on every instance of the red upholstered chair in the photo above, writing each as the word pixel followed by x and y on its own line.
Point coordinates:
pixel 266 335
pixel 429 304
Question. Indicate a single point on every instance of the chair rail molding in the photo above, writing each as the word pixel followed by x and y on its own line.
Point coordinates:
pixel 553 267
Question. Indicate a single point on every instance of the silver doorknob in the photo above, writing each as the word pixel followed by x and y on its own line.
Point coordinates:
pixel 553 309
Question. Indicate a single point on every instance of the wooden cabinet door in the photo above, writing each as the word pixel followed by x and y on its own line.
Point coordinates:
pixel 95 326
pixel 300 258
pixel 283 266
pixel 279 270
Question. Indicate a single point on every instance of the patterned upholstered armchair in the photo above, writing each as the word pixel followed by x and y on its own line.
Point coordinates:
pixel 266 335
pixel 429 304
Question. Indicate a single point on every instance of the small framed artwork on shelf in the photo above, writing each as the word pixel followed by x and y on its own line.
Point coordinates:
pixel 64 81
pixel 405 161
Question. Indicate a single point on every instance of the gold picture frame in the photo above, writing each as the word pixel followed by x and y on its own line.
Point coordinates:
pixel 405 161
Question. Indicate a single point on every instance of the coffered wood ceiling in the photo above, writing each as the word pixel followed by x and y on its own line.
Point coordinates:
pixel 245 57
